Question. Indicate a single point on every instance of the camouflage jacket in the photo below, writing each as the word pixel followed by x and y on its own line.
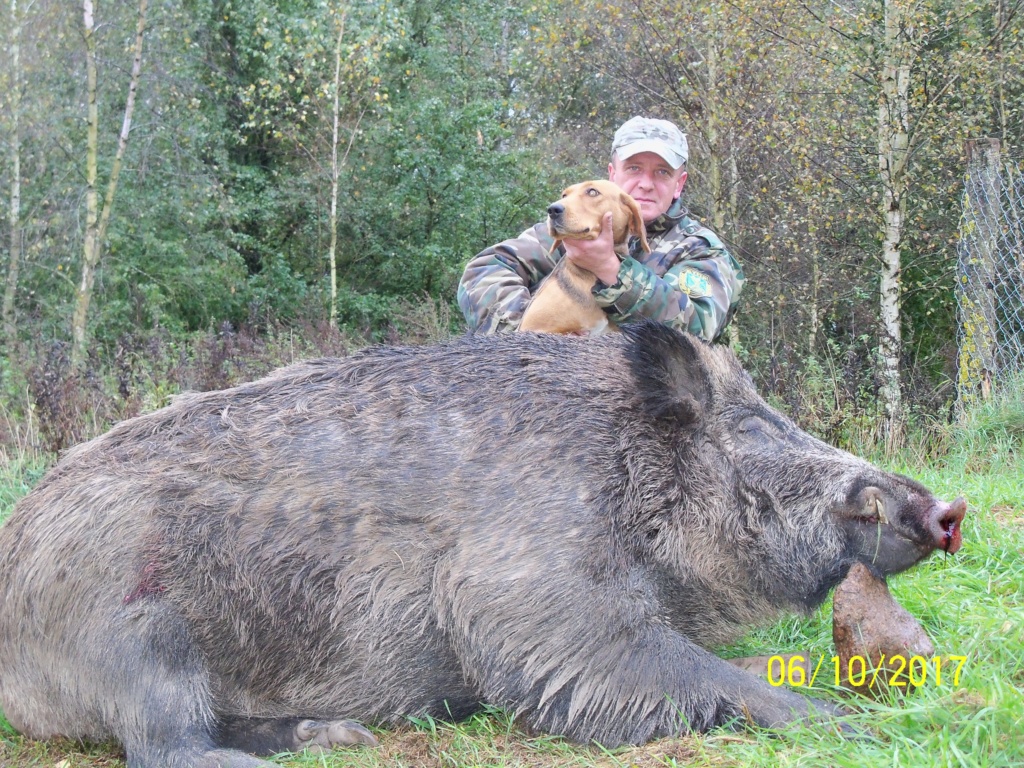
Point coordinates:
pixel 689 280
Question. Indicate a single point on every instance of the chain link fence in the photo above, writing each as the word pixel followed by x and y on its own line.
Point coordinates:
pixel 990 273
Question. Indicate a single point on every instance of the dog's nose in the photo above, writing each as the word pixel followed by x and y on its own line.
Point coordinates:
pixel 555 210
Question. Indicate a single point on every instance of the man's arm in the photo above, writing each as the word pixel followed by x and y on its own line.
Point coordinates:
pixel 497 283
pixel 694 294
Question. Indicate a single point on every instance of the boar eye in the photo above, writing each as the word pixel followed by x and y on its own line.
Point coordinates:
pixel 752 425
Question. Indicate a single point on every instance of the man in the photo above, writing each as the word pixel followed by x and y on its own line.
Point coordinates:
pixel 688 281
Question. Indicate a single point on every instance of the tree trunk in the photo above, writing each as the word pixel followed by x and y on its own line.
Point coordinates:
pixel 14 212
pixel 1001 109
pixel 97 220
pixel 712 130
pixel 335 172
pixel 813 308
pixel 734 197
pixel 893 155
pixel 734 234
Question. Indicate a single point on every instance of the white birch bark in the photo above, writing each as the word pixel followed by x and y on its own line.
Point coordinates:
pixel 96 219
pixel 336 166
pixel 14 211
pixel 335 173
pixel 893 155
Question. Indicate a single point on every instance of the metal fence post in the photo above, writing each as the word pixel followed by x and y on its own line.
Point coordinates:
pixel 990 273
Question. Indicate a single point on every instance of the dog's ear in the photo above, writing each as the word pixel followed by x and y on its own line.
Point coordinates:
pixel 555 246
pixel 636 221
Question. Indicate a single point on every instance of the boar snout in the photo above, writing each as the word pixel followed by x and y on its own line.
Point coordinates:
pixel 892 526
pixel 944 524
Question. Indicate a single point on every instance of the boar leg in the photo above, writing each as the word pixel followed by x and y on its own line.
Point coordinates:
pixel 771 707
pixel 270 736
pixel 160 683
pixel 629 686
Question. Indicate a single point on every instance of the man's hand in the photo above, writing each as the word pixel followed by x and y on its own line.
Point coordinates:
pixel 598 255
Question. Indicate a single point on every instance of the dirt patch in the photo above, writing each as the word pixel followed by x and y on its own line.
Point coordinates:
pixel 414 749
pixel 687 751
pixel 421 749
pixel 970 699
pixel 1004 514
pixel 449 746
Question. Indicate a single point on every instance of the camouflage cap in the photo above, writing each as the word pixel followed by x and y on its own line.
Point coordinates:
pixel 646 134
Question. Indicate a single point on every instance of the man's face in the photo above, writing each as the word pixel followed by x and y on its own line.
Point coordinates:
pixel 649 180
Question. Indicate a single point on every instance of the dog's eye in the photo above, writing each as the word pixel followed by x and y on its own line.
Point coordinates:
pixel 593 192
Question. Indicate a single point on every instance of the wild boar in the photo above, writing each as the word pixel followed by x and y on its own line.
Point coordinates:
pixel 552 525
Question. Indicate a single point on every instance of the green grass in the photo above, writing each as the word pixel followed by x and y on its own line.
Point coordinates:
pixel 18 475
pixel 971 604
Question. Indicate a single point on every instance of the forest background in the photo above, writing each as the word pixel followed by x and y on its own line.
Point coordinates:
pixel 196 191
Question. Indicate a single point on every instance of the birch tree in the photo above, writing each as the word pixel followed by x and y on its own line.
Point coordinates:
pixel 337 164
pixel 893 156
pixel 332 254
pixel 14 210
pixel 97 218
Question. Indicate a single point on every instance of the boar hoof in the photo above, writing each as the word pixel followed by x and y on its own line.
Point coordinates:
pixel 324 736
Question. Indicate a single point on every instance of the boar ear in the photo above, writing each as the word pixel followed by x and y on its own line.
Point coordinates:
pixel 671 372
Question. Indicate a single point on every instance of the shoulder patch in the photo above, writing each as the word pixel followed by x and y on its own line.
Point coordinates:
pixel 694 283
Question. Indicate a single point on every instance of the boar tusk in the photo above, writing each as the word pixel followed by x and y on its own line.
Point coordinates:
pixel 880 511
pixel 874 508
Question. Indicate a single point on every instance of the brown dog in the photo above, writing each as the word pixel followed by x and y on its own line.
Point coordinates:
pixel 564 302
